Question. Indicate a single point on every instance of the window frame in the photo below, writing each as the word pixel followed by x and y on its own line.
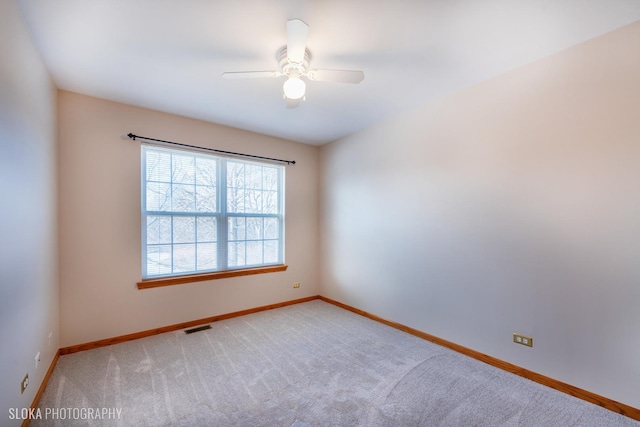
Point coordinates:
pixel 223 216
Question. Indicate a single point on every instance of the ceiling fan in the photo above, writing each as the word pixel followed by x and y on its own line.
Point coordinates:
pixel 293 62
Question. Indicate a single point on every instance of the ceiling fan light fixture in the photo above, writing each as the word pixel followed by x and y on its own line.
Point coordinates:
pixel 294 88
pixel 293 63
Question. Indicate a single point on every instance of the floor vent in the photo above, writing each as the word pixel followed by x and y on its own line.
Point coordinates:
pixel 198 329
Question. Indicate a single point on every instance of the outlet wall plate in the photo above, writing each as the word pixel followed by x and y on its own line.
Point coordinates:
pixel 523 339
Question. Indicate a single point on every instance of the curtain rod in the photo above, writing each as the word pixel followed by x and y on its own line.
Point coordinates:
pixel 289 162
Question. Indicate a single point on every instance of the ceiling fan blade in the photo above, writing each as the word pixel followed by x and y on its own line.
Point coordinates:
pixel 296 40
pixel 336 76
pixel 251 74
pixel 292 103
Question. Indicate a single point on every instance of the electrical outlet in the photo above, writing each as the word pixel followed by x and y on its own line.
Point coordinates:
pixel 296 285
pixel 24 383
pixel 522 339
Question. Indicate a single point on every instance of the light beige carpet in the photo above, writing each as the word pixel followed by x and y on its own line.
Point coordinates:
pixel 310 364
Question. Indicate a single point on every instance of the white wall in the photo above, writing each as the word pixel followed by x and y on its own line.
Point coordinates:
pixel 513 206
pixel 100 255
pixel 28 216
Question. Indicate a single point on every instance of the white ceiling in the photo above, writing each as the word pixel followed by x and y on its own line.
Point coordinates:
pixel 168 55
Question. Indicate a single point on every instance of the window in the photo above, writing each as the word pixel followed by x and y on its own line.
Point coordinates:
pixel 204 213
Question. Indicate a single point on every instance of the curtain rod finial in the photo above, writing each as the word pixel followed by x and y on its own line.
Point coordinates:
pixel 132 136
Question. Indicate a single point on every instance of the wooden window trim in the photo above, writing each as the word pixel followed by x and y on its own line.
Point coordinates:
pixel 180 280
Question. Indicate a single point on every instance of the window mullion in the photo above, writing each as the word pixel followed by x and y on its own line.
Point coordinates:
pixel 222 217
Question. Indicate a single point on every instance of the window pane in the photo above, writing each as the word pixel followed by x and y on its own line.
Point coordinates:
pixel 254 253
pixel 270 179
pixel 207 229
pixel 184 258
pixel 184 198
pixel 205 199
pixel 236 254
pixel 206 172
pixel 237 230
pixel 158 260
pixel 271 229
pixel 270 202
pixel 254 228
pixel 235 174
pixel 158 196
pixel 183 169
pixel 253 177
pixel 253 201
pixel 235 200
pixel 184 229
pixel 270 251
pixel 207 256
pixel 158 229
pixel 158 166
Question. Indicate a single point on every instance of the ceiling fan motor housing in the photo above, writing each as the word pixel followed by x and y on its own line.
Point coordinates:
pixel 290 68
